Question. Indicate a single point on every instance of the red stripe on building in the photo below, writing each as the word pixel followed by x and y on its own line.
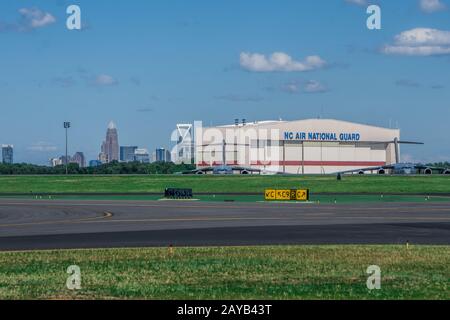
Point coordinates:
pixel 323 163
pixel 297 163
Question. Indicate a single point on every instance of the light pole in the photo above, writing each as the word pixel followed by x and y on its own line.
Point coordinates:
pixel 66 126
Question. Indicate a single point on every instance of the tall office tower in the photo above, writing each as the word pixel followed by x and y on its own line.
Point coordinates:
pixel 7 153
pixel 127 153
pixel 162 155
pixel 110 147
pixel 184 148
pixel 79 159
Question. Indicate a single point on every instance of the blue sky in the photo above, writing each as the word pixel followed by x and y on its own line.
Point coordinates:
pixel 148 65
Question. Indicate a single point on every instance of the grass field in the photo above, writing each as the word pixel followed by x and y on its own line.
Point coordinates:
pixel 157 183
pixel 285 272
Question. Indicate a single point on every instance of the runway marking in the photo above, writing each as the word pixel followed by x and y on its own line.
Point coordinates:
pixel 206 219
pixel 344 212
pixel 433 206
pixel 176 204
pixel 73 221
pixel 155 205
pixel 131 205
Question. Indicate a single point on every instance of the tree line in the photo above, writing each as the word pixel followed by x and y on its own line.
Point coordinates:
pixel 114 167
pixel 445 164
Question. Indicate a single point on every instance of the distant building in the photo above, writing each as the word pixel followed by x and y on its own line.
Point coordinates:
pixel 142 155
pixel 308 146
pixel 79 159
pixel 60 161
pixel 7 154
pixel 110 147
pixel 95 163
pixel 162 155
pixel 127 153
pixel 55 162
pixel 183 152
pixel 65 160
pixel 102 157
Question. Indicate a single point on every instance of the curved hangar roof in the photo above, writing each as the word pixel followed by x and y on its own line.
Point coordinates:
pixel 322 130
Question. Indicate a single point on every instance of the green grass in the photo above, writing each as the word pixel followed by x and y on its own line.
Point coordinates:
pixel 157 183
pixel 283 272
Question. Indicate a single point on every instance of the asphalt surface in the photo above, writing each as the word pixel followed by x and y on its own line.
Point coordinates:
pixel 54 224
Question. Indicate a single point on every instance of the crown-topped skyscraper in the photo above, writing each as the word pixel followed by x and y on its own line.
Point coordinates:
pixel 110 147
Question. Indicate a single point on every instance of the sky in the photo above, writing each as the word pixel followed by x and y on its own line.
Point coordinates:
pixel 148 65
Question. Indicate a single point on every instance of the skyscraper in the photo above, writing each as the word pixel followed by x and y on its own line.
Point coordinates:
pixel 162 155
pixel 110 147
pixel 127 153
pixel 7 153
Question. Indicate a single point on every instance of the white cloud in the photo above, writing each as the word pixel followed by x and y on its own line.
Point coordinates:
pixel 30 19
pixel 278 61
pixel 430 6
pixel 35 18
pixel 313 86
pixel 357 2
pixel 292 87
pixel 105 80
pixel 310 86
pixel 42 146
pixel 420 42
pixel 416 51
pixel 423 37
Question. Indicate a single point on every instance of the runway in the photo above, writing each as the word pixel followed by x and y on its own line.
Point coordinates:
pixel 55 224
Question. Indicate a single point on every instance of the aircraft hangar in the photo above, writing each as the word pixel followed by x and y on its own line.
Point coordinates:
pixel 310 146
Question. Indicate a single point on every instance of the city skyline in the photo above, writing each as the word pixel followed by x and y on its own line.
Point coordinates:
pixel 155 64
pixel 111 150
pixel 59 159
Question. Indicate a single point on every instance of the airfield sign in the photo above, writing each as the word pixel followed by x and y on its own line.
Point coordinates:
pixel 286 194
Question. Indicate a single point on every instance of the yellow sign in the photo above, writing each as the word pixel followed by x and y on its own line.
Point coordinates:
pixel 270 194
pixel 302 195
pixel 283 195
pixel 287 194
